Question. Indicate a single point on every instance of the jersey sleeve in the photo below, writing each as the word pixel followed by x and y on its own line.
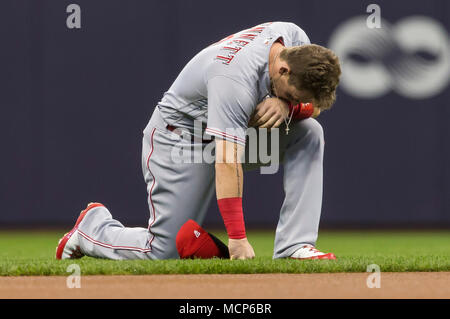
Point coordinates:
pixel 291 34
pixel 230 105
pixel 299 37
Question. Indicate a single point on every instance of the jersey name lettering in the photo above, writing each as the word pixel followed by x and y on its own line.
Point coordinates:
pixel 235 42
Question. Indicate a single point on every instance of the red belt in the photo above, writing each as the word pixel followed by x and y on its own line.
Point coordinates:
pixel 173 128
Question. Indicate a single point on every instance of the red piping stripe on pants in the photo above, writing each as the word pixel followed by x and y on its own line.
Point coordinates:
pixel 150 192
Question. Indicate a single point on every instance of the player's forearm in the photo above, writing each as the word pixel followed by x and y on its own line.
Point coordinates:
pixel 229 174
pixel 229 182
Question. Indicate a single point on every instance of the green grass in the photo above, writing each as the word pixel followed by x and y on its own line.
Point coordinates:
pixel 32 253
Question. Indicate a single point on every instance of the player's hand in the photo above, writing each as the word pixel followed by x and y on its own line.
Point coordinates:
pixel 270 113
pixel 240 249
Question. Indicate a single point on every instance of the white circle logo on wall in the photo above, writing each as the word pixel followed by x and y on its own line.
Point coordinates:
pixel 411 57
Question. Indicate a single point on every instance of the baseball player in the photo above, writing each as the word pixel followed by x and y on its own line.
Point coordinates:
pixel 268 76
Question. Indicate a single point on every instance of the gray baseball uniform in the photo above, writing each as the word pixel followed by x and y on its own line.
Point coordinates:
pixel 220 88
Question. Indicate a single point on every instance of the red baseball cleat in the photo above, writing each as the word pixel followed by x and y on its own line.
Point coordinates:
pixel 68 247
pixel 309 252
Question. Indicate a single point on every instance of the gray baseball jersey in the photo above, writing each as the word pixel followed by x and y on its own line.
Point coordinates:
pixel 223 83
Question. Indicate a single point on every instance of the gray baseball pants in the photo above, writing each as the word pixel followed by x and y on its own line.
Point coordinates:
pixel 181 191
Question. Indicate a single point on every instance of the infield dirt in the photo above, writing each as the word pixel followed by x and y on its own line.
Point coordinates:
pixel 427 285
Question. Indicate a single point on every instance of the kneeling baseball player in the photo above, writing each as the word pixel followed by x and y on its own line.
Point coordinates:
pixel 268 76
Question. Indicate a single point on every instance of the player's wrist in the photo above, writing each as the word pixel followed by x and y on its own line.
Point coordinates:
pixel 233 216
pixel 237 239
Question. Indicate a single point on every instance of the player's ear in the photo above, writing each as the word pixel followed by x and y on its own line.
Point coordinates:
pixel 284 70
